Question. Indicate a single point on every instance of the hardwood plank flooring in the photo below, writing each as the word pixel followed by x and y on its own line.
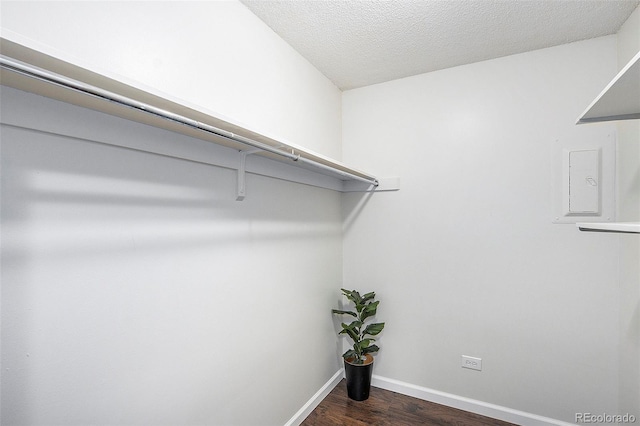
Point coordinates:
pixel 386 408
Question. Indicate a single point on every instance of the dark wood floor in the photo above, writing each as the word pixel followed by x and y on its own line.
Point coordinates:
pixel 386 408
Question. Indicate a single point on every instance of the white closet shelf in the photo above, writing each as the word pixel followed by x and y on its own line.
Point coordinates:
pixel 29 69
pixel 624 227
pixel 620 100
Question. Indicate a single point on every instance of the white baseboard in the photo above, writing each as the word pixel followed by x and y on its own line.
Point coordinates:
pixel 316 399
pixel 467 404
pixel 450 400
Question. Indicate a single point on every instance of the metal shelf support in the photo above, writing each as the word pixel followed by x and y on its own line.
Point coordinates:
pixel 242 172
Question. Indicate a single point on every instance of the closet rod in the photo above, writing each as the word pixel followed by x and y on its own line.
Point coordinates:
pixel 49 77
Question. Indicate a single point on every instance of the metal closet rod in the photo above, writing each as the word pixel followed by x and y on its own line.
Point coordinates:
pixel 49 77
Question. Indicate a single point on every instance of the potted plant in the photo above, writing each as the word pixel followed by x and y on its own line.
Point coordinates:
pixel 358 361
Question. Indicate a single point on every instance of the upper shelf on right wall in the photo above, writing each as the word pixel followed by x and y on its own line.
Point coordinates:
pixel 620 100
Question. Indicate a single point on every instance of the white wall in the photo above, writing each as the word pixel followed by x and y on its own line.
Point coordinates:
pixel 629 210
pixel 464 257
pixel 133 286
pixel 216 55
pixel 135 289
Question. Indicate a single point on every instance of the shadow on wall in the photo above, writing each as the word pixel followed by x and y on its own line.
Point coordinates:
pixel 98 199
pixel 352 205
pixel 133 284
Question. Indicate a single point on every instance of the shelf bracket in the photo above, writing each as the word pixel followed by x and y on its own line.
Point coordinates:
pixel 242 171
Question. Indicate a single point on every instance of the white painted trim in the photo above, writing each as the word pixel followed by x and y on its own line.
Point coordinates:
pixel 466 404
pixel 450 400
pixel 316 399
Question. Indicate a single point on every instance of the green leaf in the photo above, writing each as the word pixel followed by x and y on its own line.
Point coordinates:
pixel 349 354
pixel 354 325
pixel 358 350
pixel 352 295
pixel 350 333
pixel 352 330
pixel 340 312
pixel 368 296
pixel 373 329
pixel 370 349
pixel 369 311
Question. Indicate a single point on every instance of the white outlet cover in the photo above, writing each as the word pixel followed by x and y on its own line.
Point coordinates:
pixel 472 362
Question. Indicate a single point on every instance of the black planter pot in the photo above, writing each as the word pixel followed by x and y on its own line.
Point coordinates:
pixel 359 378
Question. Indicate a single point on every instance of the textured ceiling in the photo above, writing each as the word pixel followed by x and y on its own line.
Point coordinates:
pixel 361 42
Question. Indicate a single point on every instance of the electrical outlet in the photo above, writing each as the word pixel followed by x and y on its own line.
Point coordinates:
pixel 472 362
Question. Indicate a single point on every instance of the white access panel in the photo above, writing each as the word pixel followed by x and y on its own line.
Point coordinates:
pixel 583 178
pixel 584 174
